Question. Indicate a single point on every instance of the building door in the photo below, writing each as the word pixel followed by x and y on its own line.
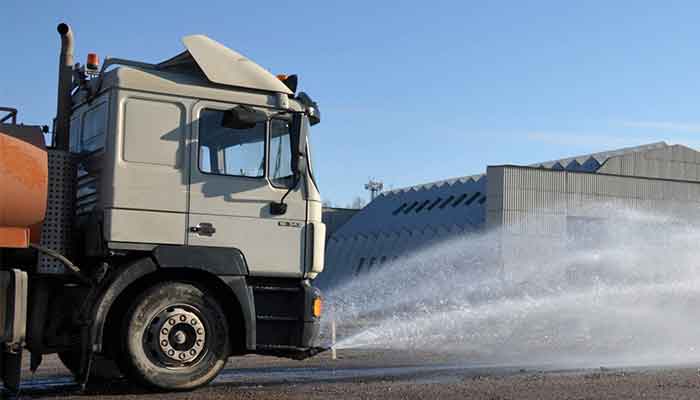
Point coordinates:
pixel 235 174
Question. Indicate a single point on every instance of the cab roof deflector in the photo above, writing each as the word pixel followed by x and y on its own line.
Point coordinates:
pixel 224 66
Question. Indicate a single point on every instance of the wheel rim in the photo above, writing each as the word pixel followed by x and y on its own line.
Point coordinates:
pixel 176 336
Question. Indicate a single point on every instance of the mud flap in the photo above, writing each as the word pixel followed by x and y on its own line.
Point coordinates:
pixel 292 353
pixel 11 369
pixel 308 353
pixel 13 325
pixel 86 357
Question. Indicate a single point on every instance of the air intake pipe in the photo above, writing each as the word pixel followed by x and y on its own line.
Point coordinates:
pixel 65 86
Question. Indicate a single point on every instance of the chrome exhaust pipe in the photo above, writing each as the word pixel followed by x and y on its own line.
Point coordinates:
pixel 65 86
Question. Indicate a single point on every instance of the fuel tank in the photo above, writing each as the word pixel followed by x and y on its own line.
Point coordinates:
pixel 23 184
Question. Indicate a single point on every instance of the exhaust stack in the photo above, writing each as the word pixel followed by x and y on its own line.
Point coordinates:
pixel 57 230
pixel 65 86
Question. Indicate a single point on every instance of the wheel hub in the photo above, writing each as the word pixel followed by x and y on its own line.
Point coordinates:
pixel 181 335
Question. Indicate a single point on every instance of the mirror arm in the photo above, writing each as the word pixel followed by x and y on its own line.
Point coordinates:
pixel 297 180
pixel 280 208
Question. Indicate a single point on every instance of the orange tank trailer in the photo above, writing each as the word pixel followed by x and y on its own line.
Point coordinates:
pixel 23 184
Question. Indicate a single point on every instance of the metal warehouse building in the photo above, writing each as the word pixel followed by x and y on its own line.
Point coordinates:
pixel 542 200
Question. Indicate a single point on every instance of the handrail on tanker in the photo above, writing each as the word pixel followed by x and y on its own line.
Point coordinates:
pixel 11 114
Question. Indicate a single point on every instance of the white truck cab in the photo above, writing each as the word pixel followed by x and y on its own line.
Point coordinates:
pixel 183 221
pixel 161 169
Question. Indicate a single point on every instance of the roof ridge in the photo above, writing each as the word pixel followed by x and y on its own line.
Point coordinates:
pixel 440 183
pixel 605 154
pixel 600 157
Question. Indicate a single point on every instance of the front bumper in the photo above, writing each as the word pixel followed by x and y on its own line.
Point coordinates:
pixel 312 322
pixel 286 323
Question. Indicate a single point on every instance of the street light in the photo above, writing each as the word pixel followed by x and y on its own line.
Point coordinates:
pixel 375 187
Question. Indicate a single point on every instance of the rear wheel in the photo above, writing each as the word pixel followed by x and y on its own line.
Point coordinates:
pixel 174 337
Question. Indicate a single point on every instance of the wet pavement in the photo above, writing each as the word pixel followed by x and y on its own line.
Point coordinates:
pixel 390 375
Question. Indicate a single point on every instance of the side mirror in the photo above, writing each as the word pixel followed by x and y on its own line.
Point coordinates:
pixel 239 117
pixel 301 130
pixel 278 208
pixel 312 109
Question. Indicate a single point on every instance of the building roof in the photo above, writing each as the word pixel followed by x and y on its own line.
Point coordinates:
pixel 460 201
pixel 400 221
pixel 585 163
pixel 591 162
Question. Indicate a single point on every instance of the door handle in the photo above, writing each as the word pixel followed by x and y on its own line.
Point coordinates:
pixel 203 229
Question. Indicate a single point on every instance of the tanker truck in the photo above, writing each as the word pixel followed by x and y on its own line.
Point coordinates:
pixel 172 221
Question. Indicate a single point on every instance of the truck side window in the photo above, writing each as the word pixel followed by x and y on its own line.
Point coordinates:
pixel 225 151
pixel 94 128
pixel 281 153
pixel 75 129
pixel 88 129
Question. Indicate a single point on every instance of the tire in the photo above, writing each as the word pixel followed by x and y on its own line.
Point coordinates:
pixel 102 369
pixel 174 337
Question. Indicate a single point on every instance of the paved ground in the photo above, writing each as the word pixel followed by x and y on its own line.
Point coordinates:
pixel 391 375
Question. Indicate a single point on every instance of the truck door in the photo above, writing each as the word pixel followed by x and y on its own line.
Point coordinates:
pixel 235 174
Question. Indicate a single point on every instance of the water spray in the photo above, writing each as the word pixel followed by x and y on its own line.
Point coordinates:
pixel 622 290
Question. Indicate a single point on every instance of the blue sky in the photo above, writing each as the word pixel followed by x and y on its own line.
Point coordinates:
pixel 411 92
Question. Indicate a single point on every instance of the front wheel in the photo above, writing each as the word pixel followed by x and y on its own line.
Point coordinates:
pixel 102 369
pixel 174 337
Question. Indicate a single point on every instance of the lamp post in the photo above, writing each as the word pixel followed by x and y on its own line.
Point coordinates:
pixel 374 187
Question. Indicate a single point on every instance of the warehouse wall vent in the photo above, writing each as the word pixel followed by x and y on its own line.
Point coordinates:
pixel 474 197
pixel 430 207
pixel 422 206
pixel 408 210
pixel 447 201
pixel 459 200
pixel 398 210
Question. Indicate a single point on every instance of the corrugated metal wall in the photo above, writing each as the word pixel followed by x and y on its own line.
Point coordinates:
pixel 516 192
pixel 540 204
